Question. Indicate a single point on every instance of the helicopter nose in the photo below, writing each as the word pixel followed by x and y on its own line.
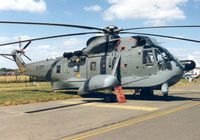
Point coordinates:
pixel 177 73
pixel 179 70
pixel 188 64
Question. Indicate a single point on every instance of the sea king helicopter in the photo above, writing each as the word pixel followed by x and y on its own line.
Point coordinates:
pixel 108 62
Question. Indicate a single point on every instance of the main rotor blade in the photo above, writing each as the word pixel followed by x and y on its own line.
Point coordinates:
pixel 164 36
pixel 52 24
pixel 48 37
pixel 160 27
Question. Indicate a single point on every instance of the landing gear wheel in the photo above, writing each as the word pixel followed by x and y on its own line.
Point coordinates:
pixel 165 94
pixel 84 95
pixel 53 90
pixel 165 90
pixel 109 98
pixel 166 97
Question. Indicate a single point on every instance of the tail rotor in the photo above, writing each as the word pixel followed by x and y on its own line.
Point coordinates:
pixel 21 50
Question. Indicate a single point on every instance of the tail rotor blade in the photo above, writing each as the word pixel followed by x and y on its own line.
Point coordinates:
pixel 26 45
pixel 27 57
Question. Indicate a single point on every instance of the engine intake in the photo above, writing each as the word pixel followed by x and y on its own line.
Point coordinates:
pixel 188 64
pixel 67 55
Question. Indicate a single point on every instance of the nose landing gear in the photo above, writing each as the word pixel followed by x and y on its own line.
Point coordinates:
pixel 165 90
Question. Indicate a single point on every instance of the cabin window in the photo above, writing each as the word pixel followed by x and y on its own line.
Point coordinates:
pixel 40 67
pixel 148 57
pixel 93 66
pixel 58 69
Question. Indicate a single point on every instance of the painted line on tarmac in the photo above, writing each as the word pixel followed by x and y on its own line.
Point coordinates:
pixel 122 106
pixel 133 121
pixel 119 106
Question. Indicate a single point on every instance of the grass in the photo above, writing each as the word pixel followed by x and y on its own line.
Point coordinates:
pixel 185 82
pixel 24 93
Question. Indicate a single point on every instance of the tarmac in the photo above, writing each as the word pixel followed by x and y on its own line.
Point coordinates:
pixel 140 118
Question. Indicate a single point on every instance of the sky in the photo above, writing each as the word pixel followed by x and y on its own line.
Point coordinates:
pixel 98 13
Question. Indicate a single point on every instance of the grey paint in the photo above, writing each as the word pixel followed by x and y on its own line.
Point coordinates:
pixel 131 71
pixel 98 82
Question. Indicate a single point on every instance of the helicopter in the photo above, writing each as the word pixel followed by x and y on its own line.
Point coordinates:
pixel 108 62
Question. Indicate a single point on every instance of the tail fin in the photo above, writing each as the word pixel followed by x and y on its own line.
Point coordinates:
pixel 16 57
pixel 19 61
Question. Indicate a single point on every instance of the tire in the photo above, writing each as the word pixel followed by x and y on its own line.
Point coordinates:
pixel 146 92
pixel 166 97
pixel 109 98
pixel 85 95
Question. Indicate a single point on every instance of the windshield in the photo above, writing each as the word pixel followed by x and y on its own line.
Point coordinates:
pixel 160 52
pixel 166 53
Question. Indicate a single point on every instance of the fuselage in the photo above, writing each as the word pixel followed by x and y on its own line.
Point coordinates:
pixel 141 66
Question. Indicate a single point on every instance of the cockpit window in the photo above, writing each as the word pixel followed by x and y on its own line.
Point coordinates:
pixel 148 57
pixel 155 42
pixel 166 54
pixel 158 55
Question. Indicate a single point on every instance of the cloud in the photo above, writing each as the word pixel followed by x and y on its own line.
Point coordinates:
pixel 195 58
pixel 93 8
pixel 44 51
pixel 32 6
pixel 45 47
pixel 22 37
pixel 73 44
pixel 4 39
pixel 152 11
pixel 196 4
pixel 68 13
pixel 185 54
pixel 40 51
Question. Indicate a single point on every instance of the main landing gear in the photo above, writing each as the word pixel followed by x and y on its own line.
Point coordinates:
pixel 118 94
pixel 146 92
pixel 109 98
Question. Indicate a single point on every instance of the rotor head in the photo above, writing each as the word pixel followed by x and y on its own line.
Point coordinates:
pixel 112 29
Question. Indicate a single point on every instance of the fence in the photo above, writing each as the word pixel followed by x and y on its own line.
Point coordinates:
pixel 14 78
